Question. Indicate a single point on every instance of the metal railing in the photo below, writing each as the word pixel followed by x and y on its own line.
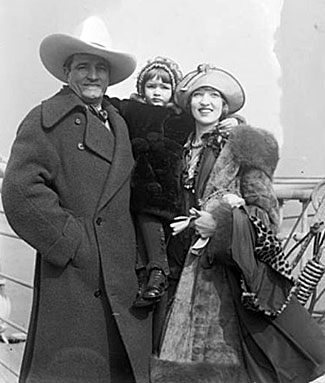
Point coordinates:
pixel 12 324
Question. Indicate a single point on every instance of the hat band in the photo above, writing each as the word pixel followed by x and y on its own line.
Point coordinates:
pixel 195 77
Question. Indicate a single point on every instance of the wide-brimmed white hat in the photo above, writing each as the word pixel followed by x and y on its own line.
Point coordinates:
pixel 94 39
pixel 206 75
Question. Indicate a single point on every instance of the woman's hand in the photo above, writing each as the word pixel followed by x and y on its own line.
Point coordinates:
pixel 205 225
pixel 233 200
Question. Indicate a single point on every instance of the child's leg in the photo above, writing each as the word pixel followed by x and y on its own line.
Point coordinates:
pixel 141 260
pixel 141 269
pixel 154 239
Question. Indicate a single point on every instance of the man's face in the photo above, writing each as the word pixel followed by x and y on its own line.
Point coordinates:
pixel 88 76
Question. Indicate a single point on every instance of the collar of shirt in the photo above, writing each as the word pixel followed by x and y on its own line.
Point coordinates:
pixel 102 114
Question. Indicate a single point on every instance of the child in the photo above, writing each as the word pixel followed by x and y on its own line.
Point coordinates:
pixel 155 182
pixel 155 197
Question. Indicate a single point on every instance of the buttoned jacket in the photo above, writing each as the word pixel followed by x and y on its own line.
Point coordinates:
pixel 66 193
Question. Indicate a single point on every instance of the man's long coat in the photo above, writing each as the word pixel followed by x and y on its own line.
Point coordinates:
pixel 66 193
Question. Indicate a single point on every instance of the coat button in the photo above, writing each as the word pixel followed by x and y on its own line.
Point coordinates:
pixel 98 293
pixel 77 121
pixel 99 221
pixel 81 146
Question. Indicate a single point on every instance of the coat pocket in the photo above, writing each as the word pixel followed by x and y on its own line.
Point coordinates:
pixel 65 248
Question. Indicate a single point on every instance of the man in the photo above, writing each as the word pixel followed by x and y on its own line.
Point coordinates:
pixel 66 193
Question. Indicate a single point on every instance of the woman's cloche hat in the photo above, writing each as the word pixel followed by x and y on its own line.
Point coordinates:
pixel 94 39
pixel 210 76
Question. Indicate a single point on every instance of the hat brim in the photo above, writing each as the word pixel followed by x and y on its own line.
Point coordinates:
pixel 218 79
pixel 55 50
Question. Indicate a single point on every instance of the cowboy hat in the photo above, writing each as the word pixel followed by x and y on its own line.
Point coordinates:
pixel 209 76
pixel 55 49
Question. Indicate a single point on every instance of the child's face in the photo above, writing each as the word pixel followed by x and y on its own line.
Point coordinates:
pixel 157 92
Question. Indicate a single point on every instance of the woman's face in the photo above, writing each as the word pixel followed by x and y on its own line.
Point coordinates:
pixel 157 92
pixel 206 106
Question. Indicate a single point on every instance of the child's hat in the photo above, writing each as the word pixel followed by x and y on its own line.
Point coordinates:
pixel 207 75
pixel 170 66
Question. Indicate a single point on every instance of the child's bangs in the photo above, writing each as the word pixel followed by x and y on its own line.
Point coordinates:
pixel 157 73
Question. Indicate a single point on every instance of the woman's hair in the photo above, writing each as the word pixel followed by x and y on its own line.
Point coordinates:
pixel 164 68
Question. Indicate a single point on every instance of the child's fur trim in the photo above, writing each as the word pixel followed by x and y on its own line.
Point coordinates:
pixel 254 148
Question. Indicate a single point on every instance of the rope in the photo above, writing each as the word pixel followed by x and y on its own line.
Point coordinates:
pixel 296 224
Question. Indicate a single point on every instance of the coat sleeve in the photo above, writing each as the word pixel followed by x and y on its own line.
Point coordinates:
pixel 141 119
pixel 30 201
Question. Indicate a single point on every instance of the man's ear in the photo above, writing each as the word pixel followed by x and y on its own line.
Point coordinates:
pixel 66 72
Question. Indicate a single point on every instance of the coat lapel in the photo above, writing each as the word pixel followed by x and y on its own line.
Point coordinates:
pixel 116 150
pixel 122 160
pixel 57 107
pixel 98 138
pixel 204 171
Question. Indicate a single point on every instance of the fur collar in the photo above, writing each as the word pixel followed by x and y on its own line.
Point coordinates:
pixel 254 148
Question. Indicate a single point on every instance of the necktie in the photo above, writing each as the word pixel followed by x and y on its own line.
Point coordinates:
pixel 101 114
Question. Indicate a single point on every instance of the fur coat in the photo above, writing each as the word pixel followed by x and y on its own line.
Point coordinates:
pixel 156 180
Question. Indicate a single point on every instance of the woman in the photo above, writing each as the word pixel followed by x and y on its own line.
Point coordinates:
pixel 234 318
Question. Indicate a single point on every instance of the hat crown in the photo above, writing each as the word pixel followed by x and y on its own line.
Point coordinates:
pixel 94 31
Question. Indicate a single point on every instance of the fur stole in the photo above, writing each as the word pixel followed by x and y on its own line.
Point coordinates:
pixel 254 148
pixel 245 166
